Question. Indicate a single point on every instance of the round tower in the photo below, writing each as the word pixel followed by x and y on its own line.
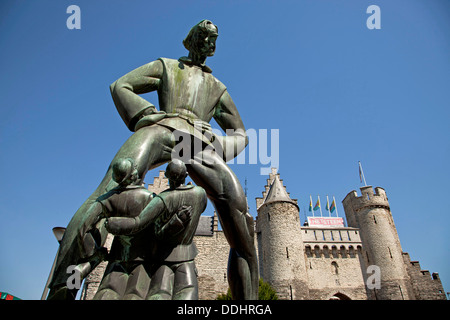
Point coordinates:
pixel 371 213
pixel 280 244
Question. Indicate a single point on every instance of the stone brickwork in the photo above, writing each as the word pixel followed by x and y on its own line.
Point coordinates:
pixel 282 251
pixel 333 263
pixel 425 286
pixel 211 263
pixel 159 184
pixel 371 213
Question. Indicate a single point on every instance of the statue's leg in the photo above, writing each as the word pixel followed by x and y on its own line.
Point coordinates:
pixel 149 147
pixel 138 283
pixel 161 285
pixel 186 285
pixel 209 171
pixel 113 284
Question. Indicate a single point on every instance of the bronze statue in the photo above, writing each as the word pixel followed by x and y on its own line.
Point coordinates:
pixel 152 256
pixel 189 97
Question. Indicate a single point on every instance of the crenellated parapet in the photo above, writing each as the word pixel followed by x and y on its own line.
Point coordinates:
pixel 368 199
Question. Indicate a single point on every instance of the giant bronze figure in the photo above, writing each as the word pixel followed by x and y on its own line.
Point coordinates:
pixel 189 97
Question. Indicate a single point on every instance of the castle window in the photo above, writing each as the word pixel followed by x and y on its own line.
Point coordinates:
pixel 326 252
pixel 317 251
pixel 287 253
pixel 351 251
pixel 390 253
pixel 308 251
pixel 368 197
pixel 343 252
pixel 349 238
pixel 268 216
pixel 374 220
pixel 334 252
pixel 334 268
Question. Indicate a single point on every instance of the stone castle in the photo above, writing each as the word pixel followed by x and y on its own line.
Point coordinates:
pixel 363 261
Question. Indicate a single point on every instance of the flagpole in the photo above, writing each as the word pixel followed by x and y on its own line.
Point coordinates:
pixel 320 207
pixel 312 209
pixel 328 207
pixel 361 173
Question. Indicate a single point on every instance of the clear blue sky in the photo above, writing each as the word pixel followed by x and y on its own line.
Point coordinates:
pixel 337 92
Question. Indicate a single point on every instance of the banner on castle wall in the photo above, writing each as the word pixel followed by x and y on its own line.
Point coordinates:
pixel 326 222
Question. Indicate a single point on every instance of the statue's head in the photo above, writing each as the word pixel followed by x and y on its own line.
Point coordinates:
pixel 124 171
pixel 202 38
pixel 176 172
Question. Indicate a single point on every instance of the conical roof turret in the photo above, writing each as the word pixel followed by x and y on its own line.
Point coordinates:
pixel 277 193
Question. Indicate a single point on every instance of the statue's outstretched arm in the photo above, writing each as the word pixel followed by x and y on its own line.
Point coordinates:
pixel 228 118
pixel 128 226
pixel 125 91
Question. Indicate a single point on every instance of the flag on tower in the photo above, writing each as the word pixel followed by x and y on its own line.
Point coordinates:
pixel 317 206
pixel 333 206
pixel 360 173
pixel 328 205
pixel 310 204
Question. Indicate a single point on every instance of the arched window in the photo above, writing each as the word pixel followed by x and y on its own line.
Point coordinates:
pixel 317 251
pixel 334 252
pixel 326 251
pixel 343 252
pixel 334 268
pixel 308 251
pixel 351 251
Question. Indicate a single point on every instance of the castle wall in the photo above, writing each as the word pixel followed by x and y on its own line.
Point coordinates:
pixel 211 263
pixel 333 263
pixel 424 285
pixel 282 254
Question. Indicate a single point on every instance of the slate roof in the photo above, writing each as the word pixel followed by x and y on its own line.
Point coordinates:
pixel 277 193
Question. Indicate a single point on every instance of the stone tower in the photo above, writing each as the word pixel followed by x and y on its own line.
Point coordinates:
pixel 371 213
pixel 280 244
